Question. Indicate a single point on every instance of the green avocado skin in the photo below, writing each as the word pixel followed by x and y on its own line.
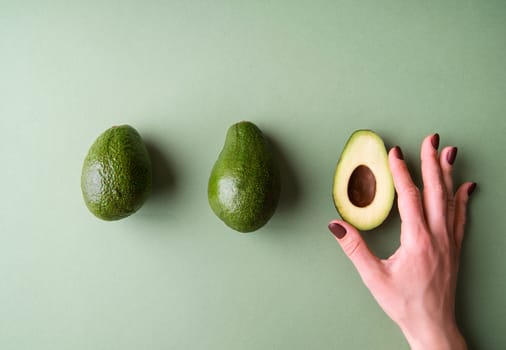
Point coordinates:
pixel 244 185
pixel 116 175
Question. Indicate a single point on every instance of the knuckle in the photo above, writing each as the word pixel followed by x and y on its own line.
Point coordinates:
pixel 424 244
pixel 351 247
pixel 444 242
pixel 412 192
pixel 438 188
pixel 450 203
pixel 435 190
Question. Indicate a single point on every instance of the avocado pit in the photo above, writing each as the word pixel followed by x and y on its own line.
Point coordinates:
pixel 362 186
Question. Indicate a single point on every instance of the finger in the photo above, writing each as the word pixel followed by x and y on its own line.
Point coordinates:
pixel 367 264
pixel 448 155
pixel 408 195
pixel 461 200
pixel 434 191
pixel 446 160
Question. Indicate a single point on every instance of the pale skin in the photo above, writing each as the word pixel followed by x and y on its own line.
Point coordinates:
pixel 416 285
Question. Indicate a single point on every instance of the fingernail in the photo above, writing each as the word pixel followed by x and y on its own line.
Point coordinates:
pixel 471 188
pixel 398 153
pixel 451 155
pixel 435 141
pixel 337 230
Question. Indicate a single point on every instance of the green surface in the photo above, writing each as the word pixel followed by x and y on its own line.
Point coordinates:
pixel 244 185
pixel 307 73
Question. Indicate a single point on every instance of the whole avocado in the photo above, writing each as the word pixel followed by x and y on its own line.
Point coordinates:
pixel 116 176
pixel 244 185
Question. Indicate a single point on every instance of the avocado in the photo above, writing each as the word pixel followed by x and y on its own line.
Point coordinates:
pixel 244 184
pixel 116 176
pixel 363 190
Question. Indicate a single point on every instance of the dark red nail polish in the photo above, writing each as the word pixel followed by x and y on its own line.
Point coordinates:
pixel 398 153
pixel 337 230
pixel 451 155
pixel 435 141
pixel 471 188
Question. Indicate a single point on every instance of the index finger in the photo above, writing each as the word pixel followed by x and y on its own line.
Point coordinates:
pixel 408 195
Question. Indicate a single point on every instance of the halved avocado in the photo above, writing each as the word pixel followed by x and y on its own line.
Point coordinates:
pixel 363 190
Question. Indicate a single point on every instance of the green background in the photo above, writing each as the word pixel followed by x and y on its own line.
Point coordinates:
pixel 308 73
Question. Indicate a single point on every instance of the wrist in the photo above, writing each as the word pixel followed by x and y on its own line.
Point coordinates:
pixel 435 337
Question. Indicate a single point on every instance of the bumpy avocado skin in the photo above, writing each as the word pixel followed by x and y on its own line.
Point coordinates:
pixel 116 175
pixel 244 185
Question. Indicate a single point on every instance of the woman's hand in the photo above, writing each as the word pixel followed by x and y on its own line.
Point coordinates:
pixel 416 285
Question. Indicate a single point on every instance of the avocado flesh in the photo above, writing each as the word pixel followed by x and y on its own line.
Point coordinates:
pixel 116 175
pixel 244 184
pixel 363 189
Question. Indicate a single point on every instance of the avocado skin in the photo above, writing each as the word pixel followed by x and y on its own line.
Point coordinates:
pixel 244 185
pixel 116 175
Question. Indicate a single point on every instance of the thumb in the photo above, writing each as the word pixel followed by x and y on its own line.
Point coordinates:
pixel 354 246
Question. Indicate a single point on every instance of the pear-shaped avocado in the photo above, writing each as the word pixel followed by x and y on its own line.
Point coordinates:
pixel 363 189
pixel 244 185
pixel 116 175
